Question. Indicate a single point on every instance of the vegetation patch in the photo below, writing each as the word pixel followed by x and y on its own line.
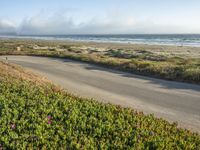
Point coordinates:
pixel 34 114
pixel 174 63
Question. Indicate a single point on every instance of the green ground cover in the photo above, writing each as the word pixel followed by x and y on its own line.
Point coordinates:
pixel 36 115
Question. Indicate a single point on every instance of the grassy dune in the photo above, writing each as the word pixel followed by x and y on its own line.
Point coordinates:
pixel 35 114
pixel 171 63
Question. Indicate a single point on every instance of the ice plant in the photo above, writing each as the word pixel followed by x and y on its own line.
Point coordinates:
pixel 82 123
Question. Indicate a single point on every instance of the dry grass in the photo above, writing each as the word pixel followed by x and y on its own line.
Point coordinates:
pixel 15 71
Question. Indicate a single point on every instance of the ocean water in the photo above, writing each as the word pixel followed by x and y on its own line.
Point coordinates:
pixel 150 39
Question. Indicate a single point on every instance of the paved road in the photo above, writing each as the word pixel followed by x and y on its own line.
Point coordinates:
pixel 171 100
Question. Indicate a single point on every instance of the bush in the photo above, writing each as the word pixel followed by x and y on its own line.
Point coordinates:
pixel 192 74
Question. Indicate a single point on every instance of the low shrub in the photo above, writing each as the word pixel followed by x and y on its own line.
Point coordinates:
pixel 192 74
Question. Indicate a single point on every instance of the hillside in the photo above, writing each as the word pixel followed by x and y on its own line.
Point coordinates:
pixel 37 114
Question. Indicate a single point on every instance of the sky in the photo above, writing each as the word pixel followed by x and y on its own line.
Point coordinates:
pixel 48 17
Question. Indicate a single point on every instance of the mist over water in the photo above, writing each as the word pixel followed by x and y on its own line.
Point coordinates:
pixel 150 39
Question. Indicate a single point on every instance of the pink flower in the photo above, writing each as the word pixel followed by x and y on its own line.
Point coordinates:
pixel 49 117
pixel 13 126
pixel 49 122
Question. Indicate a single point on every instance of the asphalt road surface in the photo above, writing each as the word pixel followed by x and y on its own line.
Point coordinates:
pixel 173 101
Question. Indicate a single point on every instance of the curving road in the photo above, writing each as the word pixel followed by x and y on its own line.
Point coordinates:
pixel 171 100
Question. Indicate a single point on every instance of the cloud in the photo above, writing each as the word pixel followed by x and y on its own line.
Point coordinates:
pixel 62 22
pixel 7 27
pixel 43 23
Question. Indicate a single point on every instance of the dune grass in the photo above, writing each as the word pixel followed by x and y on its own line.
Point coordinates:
pixel 155 63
